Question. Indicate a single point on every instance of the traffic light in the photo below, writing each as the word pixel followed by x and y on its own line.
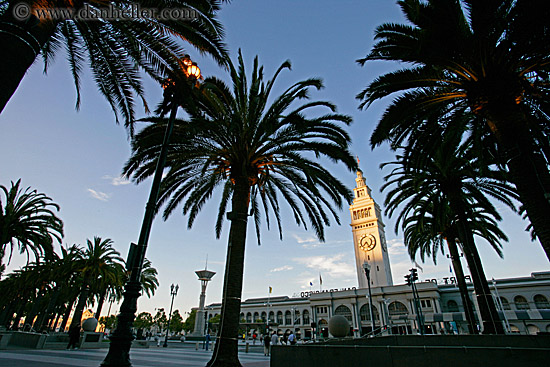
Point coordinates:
pixel 414 274
pixel 408 279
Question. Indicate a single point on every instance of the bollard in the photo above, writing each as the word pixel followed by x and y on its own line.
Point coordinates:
pixel 246 348
pixel 197 346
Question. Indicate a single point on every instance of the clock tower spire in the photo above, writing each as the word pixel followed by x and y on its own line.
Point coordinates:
pixel 369 238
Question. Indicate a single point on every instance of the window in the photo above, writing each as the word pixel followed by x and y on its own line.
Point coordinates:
pixel 249 317
pixel 505 304
pixel 264 316
pixel 344 311
pixel 288 318
pixel 271 316
pixel 365 314
pixel 452 306
pixel 521 303
pixel 532 329
pixel 541 302
pixel 514 329
pixel 426 303
pixel 297 319
pixel 256 316
pixel 279 317
pixel 305 316
pixel 397 308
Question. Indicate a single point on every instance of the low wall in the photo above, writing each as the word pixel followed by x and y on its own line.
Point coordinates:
pixel 4 340
pixel 25 339
pixel 92 340
pixel 396 351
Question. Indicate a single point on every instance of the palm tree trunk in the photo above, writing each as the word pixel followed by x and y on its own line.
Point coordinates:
pixel 226 348
pixel 82 299
pixel 527 166
pixel 48 314
pixel 100 304
pixel 487 308
pixel 66 315
pixel 467 303
pixel 20 42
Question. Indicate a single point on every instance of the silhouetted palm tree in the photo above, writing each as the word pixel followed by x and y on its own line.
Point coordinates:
pixel 98 259
pixel 114 49
pixel 443 195
pixel 28 222
pixel 488 58
pixel 258 148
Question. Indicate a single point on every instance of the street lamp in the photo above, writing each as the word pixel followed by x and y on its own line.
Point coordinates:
pixel 176 87
pixel 366 266
pixel 173 293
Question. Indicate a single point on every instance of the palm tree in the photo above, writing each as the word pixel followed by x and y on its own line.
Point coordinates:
pixel 98 259
pixel 255 151
pixel 114 49
pixel 149 281
pixel 488 58
pixel 28 221
pixel 444 196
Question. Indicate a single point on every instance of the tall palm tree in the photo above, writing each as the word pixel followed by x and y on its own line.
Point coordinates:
pixel 149 281
pixel 98 259
pixel 256 151
pixel 489 58
pixel 443 195
pixel 28 221
pixel 114 49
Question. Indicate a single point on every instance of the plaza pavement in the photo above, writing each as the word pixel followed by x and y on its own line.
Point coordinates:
pixel 146 357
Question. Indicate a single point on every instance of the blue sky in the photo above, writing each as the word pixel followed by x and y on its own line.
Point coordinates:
pixel 76 158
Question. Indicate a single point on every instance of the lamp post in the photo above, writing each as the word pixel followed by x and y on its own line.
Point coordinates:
pixel 204 276
pixel 121 340
pixel 387 312
pixel 366 266
pixel 173 293
pixel 410 279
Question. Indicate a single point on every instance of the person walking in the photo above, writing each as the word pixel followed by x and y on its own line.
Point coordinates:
pixel 267 345
pixel 274 338
pixel 207 338
pixel 74 337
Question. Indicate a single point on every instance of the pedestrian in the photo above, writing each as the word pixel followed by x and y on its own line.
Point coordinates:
pixel 274 339
pixel 284 339
pixel 254 336
pixel 292 338
pixel 74 337
pixel 267 345
pixel 207 338
pixel 157 339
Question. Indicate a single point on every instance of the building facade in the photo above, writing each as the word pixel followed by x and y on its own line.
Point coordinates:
pixel 523 302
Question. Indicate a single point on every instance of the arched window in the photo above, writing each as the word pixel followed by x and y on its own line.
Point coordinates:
pixel 249 317
pixel 397 308
pixel 541 302
pixel 288 318
pixel 343 311
pixel 256 316
pixel 521 303
pixel 514 329
pixel 297 319
pixel 306 317
pixel 264 316
pixel 365 314
pixel 452 306
pixel 505 304
pixel 271 316
pixel 323 323
pixel 279 317
pixel 533 329
pixel 242 316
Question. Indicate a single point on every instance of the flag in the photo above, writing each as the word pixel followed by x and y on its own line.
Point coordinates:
pixel 418 266
pixel 450 269
pixel 310 284
pixel 270 290
pixel 320 279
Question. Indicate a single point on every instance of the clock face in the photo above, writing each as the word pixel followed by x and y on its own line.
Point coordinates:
pixel 367 242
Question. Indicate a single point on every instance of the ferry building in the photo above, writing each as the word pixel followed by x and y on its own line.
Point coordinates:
pixel 523 302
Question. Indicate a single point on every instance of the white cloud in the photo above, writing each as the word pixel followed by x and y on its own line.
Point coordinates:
pixel 396 247
pixel 282 268
pixel 116 181
pixel 99 195
pixel 332 266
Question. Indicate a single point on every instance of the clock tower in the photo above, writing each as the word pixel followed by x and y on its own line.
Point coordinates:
pixel 369 238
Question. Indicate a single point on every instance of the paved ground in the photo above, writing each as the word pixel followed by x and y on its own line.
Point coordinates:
pixel 151 357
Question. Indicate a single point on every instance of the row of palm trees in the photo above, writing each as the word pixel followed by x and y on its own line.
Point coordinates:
pixel 44 292
pixel 470 122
